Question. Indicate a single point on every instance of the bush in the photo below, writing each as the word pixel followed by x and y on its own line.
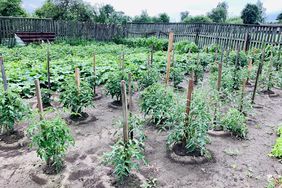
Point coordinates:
pixel 157 101
pixel 12 110
pixel 192 132
pixel 113 83
pixel 177 75
pixel 148 77
pixel 75 99
pixel 234 121
pixel 151 42
pixel 186 46
pixel 51 138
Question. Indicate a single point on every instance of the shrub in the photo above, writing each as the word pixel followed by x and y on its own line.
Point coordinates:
pixel 277 148
pixel 192 131
pixel 113 84
pixel 51 138
pixel 186 46
pixel 75 99
pixel 177 75
pixel 157 101
pixel 148 77
pixel 46 97
pixel 234 121
pixel 12 110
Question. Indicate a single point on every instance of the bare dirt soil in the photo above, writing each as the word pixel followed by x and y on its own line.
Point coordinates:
pixel 238 163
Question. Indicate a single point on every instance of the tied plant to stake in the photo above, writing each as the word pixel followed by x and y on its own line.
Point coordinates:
pixel 148 77
pixel 76 99
pixel 12 110
pixel 190 132
pixel 51 138
pixel 157 102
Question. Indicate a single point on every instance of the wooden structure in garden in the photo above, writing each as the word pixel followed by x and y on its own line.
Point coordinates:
pixel 230 35
pixel 28 37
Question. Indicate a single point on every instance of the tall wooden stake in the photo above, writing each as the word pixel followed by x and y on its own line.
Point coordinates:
pixel 77 78
pixel 189 95
pixel 169 50
pixel 242 95
pixel 4 78
pixel 48 71
pixel 250 67
pixel 220 72
pixel 94 73
pixel 124 112
pixel 39 98
pixel 257 76
pixel 130 105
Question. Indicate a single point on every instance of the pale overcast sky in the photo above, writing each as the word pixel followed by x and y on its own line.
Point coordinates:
pixel 173 7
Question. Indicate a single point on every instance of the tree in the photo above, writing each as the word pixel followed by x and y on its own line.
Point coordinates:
pixel 250 14
pixel 143 18
pixel 234 20
pixel 219 14
pixel 197 19
pixel 66 10
pixel 183 15
pixel 262 10
pixel 11 8
pixel 107 14
pixel 279 18
pixel 161 18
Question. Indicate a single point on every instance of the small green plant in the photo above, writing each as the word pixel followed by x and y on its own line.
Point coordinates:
pixel 113 84
pixel 177 75
pixel 46 97
pixel 235 122
pixel 76 99
pixel 51 138
pixel 148 77
pixel 279 130
pixel 150 183
pixel 12 110
pixel 125 156
pixel 157 102
pixel 192 131
pixel 274 182
pixel 185 47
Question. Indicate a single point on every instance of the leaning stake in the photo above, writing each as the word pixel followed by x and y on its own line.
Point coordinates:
pixel 3 74
pixel 124 112
pixel 77 78
pixel 169 50
pixel 39 99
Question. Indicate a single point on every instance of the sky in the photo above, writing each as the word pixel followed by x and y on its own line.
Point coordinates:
pixel 174 7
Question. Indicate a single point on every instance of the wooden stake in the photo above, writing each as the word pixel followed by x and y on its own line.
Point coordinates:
pixel 4 78
pixel 152 56
pixel 124 112
pixel 130 93
pixel 242 95
pixel 270 72
pixel 220 72
pixel 169 50
pixel 257 76
pixel 77 78
pixel 94 73
pixel 39 98
pixel 189 95
pixel 250 67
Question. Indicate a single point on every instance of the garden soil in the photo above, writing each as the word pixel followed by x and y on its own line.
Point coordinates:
pixel 238 163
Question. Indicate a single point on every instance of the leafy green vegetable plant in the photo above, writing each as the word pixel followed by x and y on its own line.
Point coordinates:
pixel 51 138
pixel 148 77
pixel 186 46
pixel 192 131
pixel 235 122
pixel 12 110
pixel 157 102
pixel 76 99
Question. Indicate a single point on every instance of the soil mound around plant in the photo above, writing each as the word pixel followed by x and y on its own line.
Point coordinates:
pixel 83 116
pixel 179 154
pixel 132 181
pixel 97 96
pixel 115 104
pixel 51 169
pixel 11 137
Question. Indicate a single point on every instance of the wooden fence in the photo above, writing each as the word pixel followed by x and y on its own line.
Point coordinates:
pixel 62 29
pixel 230 35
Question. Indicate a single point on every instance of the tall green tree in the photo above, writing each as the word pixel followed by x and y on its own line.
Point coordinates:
pixel 262 15
pixel 219 14
pixel 250 14
pixel 143 18
pixel 279 18
pixel 11 8
pixel 183 15
pixel 161 18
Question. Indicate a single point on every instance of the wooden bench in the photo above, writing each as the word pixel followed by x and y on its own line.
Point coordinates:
pixel 29 37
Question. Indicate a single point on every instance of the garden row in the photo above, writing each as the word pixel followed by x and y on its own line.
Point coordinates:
pixel 216 102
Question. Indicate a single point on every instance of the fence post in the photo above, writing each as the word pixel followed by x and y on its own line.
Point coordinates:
pixel 4 78
pixel 197 35
pixel 247 41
